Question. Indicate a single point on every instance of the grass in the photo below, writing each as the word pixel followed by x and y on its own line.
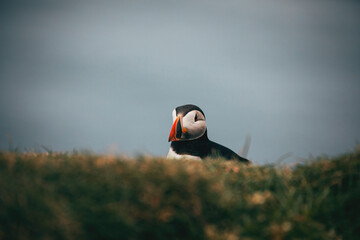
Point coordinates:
pixel 86 196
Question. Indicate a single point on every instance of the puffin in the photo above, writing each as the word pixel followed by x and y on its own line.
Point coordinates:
pixel 188 137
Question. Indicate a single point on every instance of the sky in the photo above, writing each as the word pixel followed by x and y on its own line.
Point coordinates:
pixel 106 75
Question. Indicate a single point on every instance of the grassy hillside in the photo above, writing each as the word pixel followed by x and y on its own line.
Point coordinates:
pixel 80 196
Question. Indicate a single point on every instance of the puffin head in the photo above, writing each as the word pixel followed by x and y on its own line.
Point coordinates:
pixel 188 123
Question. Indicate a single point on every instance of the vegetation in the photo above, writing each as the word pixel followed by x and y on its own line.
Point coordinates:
pixel 86 196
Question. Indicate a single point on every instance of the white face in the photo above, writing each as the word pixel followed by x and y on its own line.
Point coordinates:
pixel 194 123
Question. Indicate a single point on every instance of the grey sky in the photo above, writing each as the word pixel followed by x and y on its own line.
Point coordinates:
pixel 99 74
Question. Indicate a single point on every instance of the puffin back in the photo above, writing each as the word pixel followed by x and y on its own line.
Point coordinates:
pixel 222 151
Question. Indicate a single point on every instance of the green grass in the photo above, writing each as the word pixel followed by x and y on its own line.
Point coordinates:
pixel 84 196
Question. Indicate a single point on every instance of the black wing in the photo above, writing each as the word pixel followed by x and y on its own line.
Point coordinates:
pixel 217 149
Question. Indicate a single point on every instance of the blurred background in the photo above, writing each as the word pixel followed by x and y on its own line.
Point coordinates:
pixel 106 75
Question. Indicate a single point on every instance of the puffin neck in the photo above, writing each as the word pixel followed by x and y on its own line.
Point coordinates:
pixel 197 147
pixel 201 140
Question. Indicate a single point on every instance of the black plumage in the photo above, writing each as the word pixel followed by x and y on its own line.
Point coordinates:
pixel 201 146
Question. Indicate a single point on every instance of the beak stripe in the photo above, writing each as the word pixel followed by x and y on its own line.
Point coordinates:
pixel 178 129
pixel 175 132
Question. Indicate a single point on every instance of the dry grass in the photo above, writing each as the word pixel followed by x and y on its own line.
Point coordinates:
pixel 85 196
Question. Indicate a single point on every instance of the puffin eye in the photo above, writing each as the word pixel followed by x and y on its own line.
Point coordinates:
pixel 196 118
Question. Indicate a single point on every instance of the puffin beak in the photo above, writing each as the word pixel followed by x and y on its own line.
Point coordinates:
pixel 176 130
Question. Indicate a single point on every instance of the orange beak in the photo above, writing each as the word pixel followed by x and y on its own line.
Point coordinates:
pixel 176 130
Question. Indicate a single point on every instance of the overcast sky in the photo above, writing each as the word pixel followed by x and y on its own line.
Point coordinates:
pixel 106 75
